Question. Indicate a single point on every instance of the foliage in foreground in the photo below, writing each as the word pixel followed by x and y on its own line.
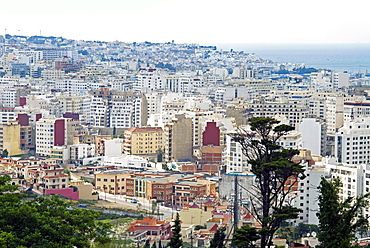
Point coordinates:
pixel 218 238
pixel 176 240
pixel 46 221
pixel 339 220
pixel 275 173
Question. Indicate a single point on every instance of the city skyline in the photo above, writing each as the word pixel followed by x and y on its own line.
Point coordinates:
pixel 203 22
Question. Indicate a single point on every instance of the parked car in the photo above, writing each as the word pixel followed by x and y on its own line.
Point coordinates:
pixel 134 201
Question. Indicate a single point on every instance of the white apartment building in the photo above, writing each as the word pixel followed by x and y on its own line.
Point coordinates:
pixel 7 114
pixel 334 113
pixel 233 157
pixel 243 73
pixel 52 74
pixel 148 80
pixel 70 104
pixel 113 147
pixel 115 109
pixel 128 162
pixel 9 97
pixel 73 86
pixel 352 142
pixel 313 135
pixel 154 100
pixel 81 151
pixel 227 94
pixel 184 83
pixel 356 109
pixel 34 55
pixel 52 132
pixel 293 109
pixel 293 140
pixel 307 194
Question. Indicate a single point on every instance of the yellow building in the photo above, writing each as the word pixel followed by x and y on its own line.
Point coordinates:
pixel 10 138
pixel 112 181
pixel 194 216
pixel 143 140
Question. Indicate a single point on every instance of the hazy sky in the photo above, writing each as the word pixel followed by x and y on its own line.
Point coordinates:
pixel 191 21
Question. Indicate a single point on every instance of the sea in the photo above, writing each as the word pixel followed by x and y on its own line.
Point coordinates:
pixel 352 58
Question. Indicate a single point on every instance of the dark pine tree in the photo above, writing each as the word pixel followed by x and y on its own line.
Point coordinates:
pixel 275 173
pixel 339 220
pixel 176 240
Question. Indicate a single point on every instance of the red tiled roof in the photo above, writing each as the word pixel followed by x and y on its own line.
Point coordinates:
pixel 132 229
pixel 194 206
pixel 248 216
pixel 209 202
pixel 214 228
pixel 56 176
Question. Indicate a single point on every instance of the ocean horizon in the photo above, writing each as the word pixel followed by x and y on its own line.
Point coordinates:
pixel 353 57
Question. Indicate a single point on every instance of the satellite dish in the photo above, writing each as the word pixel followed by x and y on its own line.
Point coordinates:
pixel 308 234
pixel 313 234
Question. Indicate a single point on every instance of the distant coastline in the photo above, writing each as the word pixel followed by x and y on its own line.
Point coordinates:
pixel 354 58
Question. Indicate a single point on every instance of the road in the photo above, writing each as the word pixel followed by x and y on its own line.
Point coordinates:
pixel 141 203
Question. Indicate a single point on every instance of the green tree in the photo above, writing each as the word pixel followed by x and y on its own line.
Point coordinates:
pixel 245 237
pixel 176 240
pixel 273 167
pixel 46 222
pixel 218 239
pixel 5 153
pixel 339 220
pixel 159 155
pixel 147 244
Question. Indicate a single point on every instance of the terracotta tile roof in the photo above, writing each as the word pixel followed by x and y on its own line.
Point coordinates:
pixel 194 206
pixel 214 228
pixel 56 176
pixel 248 216
pixel 209 202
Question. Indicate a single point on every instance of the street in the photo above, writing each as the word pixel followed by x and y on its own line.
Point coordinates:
pixel 141 203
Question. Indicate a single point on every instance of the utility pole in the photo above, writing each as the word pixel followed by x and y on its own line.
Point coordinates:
pixel 236 203
pixel 191 238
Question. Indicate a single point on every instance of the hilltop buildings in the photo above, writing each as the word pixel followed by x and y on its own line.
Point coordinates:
pixel 129 111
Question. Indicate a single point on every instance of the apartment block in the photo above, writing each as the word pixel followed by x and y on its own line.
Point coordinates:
pixel 178 139
pixel 143 140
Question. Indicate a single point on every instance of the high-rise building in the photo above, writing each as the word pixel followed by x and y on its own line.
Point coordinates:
pixel 143 140
pixel 352 142
pixel 54 132
pixel 178 139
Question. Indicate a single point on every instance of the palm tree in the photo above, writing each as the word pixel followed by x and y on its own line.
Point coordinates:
pixel 105 188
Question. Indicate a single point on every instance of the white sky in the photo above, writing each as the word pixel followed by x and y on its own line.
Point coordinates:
pixel 191 21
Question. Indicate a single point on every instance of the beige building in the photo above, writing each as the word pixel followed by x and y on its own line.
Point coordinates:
pixel 194 216
pixel 112 181
pixel 178 139
pixel 97 140
pixel 85 190
pixel 143 140
pixel 10 138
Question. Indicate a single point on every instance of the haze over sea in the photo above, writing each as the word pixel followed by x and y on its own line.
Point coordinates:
pixel 339 57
